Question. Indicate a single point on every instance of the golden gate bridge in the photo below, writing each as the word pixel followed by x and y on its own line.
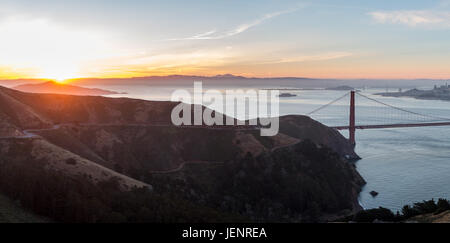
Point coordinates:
pixel 392 116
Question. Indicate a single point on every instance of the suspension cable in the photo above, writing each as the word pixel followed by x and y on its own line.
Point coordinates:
pixel 404 110
pixel 328 104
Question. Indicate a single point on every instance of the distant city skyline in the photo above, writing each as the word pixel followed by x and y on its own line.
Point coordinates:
pixel 315 39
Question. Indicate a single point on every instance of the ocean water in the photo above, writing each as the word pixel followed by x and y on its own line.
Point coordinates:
pixel 404 165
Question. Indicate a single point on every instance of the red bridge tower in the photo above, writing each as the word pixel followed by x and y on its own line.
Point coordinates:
pixel 352 128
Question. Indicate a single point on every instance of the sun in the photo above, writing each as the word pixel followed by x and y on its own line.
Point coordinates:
pixel 61 79
pixel 59 74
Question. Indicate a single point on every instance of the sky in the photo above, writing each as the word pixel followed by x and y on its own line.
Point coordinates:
pixel 257 38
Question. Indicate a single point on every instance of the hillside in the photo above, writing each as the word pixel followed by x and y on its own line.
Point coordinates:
pixel 112 148
pixel 300 183
pixel 12 212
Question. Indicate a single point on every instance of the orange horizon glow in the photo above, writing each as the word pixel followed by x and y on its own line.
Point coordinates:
pixel 316 71
pixel 331 69
pixel 63 79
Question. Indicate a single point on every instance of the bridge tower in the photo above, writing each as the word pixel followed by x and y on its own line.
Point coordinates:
pixel 352 128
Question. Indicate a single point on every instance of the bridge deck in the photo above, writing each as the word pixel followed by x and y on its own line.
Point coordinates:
pixel 394 125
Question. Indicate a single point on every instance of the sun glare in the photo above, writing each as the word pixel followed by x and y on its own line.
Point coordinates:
pixel 59 73
pixel 59 80
pixel 55 52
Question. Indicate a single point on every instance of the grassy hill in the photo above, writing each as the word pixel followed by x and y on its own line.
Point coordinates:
pixel 95 161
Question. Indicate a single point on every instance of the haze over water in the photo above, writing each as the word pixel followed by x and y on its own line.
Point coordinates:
pixel 404 165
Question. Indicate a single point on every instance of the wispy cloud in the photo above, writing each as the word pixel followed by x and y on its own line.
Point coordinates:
pixel 203 35
pixel 214 35
pixel 413 18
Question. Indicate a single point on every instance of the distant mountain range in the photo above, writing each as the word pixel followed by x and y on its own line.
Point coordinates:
pixel 179 79
pixel 51 87
pixel 234 80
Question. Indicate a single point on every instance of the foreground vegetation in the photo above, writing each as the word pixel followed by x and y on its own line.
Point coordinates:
pixel 294 184
pixel 408 212
pixel 302 183
pixel 65 198
pixel 13 212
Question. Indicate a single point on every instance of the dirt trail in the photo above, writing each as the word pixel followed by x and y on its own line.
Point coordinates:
pixel 181 166
pixel 30 133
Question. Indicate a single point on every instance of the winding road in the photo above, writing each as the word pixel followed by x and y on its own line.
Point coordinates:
pixel 181 166
pixel 30 133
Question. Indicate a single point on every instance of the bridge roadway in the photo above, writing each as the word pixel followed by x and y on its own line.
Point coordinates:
pixel 433 124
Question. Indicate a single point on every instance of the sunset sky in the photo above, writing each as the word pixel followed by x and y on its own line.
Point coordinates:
pixel 260 38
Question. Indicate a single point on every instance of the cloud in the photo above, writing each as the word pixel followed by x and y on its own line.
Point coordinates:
pixel 160 63
pixel 213 35
pixel 203 35
pixel 413 18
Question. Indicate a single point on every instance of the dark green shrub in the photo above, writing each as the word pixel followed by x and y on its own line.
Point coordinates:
pixel 426 206
pixel 368 216
pixel 443 205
